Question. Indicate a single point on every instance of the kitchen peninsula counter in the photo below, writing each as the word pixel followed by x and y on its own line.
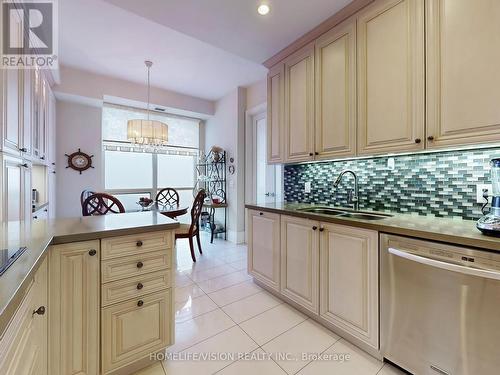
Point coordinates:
pixel 37 236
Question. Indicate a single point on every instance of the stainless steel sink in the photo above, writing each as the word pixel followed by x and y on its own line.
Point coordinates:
pixel 364 216
pixel 323 210
pixel 345 213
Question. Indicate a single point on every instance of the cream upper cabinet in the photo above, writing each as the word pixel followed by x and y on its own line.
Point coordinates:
pixel 15 189
pixel 391 76
pixel 336 92
pixel 349 280
pixel 264 247
pixel 74 309
pixel 28 78
pixel 299 105
pixel 276 114
pixel 463 76
pixel 300 261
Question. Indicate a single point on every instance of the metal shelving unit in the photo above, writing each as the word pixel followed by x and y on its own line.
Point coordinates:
pixel 211 171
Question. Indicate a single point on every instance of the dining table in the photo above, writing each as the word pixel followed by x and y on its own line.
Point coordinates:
pixel 172 211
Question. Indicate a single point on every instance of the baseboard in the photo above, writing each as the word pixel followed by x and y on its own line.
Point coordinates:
pixel 236 237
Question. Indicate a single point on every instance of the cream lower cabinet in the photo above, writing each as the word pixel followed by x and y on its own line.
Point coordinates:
pixel 74 308
pixel 135 328
pixel 300 261
pixel 462 72
pixel 23 347
pixel 349 280
pixel 264 247
pixel 137 302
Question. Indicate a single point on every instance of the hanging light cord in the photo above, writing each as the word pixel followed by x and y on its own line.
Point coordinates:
pixel 149 64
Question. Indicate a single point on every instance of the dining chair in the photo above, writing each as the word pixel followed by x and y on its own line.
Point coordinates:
pixel 101 204
pixel 168 196
pixel 85 194
pixel 193 230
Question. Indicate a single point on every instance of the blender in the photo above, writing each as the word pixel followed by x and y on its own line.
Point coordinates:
pixel 490 223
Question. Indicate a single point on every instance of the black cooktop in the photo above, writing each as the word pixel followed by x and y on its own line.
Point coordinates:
pixel 9 256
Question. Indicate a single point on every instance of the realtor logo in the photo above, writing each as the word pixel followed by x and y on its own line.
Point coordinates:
pixel 29 34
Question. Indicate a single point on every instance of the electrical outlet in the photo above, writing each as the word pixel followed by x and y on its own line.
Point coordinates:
pixel 391 164
pixel 479 192
pixel 307 187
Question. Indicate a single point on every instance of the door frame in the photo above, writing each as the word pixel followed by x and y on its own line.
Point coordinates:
pixel 250 116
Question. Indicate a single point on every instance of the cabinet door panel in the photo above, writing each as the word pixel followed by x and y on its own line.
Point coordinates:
pixel 462 88
pixel 264 247
pixel 300 261
pixel 74 304
pixel 12 96
pixel 391 76
pixel 27 111
pixel 299 105
pixel 275 114
pixel 131 332
pixel 349 280
pixel 336 92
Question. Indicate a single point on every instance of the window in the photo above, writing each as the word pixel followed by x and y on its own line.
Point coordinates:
pixel 132 172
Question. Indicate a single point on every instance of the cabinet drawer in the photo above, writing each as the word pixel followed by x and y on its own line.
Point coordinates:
pixel 115 269
pixel 136 244
pixel 128 288
pixel 132 330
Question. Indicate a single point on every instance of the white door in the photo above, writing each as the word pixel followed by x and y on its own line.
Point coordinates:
pixel 267 179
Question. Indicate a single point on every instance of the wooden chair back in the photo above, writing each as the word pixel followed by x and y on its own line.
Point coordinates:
pixel 196 211
pixel 168 196
pixel 85 194
pixel 101 204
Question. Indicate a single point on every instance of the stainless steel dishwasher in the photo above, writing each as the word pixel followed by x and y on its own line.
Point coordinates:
pixel 439 307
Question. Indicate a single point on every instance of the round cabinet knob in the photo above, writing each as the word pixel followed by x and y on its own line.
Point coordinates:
pixel 311 154
pixel 430 138
pixel 139 243
pixel 42 157
pixel 39 311
pixel 261 213
pixel 140 264
pixel 315 227
pixel 321 229
pixel 316 153
pixel 418 140
pixel 140 286
pixel 24 149
pixel 92 252
pixel 25 165
pixel 140 303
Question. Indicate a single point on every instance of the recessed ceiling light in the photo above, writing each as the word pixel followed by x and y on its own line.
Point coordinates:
pixel 263 9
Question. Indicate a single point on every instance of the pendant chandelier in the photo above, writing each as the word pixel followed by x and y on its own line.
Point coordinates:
pixel 147 132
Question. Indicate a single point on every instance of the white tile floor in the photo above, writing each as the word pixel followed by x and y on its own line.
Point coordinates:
pixel 220 310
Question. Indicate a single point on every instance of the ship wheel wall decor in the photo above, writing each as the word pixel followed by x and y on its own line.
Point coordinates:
pixel 79 161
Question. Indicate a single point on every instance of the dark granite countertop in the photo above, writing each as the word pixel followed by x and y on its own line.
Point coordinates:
pixel 38 235
pixel 450 230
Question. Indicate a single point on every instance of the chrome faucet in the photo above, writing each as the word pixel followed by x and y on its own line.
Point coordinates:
pixel 353 196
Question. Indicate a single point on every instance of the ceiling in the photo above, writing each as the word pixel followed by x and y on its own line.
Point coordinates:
pixel 203 48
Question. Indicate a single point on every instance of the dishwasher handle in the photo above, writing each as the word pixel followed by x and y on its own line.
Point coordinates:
pixel 479 272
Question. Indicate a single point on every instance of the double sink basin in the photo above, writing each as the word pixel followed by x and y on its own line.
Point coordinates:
pixel 339 212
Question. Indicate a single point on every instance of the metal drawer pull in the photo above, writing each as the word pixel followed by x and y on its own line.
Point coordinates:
pixel 140 264
pixel 92 252
pixel 140 286
pixel 39 311
pixel 139 243
pixel 140 303
pixel 445 265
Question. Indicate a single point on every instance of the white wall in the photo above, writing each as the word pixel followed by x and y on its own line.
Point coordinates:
pixel 257 94
pixel 78 126
pixel 226 129
pixel 76 82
